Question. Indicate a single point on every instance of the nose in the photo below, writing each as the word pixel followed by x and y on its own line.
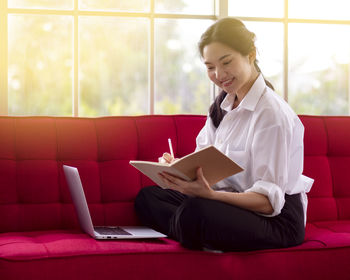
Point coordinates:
pixel 220 74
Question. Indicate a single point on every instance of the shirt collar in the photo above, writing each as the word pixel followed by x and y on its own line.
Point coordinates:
pixel 251 98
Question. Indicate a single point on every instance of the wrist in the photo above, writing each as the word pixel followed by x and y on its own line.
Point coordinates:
pixel 212 194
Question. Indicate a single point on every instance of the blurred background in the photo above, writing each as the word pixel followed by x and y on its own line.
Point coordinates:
pixel 132 57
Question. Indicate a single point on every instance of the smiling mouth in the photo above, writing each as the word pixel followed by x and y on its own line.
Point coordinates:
pixel 228 83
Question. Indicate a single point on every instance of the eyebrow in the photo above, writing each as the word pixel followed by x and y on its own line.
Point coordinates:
pixel 221 58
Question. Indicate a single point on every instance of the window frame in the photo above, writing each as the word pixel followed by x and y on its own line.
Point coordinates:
pixel 76 13
pixel 220 10
pixel 286 20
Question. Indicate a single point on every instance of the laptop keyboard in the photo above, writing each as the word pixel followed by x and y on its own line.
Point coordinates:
pixel 111 231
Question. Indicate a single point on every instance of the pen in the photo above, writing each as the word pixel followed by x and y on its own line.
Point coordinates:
pixel 171 148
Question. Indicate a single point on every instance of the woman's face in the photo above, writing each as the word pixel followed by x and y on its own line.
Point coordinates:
pixel 228 69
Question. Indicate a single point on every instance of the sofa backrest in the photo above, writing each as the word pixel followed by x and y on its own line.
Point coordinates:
pixel 33 190
pixel 327 160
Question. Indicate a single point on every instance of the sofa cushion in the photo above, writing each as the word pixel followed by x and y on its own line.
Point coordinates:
pixel 58 254
pixel 33 191
pixel 21 246
pixel 33 149
pixel 327 160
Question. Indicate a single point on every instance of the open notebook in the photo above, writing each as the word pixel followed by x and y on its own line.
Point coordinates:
pixel 216 166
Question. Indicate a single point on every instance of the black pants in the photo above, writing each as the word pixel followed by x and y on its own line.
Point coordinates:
pixel 199 223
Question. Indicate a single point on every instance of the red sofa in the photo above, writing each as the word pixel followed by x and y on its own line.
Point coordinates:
pixel 39 233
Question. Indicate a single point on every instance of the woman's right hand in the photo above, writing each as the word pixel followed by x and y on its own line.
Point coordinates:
pixel 166 158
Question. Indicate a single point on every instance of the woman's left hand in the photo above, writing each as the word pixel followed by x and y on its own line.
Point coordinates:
pixel 199 187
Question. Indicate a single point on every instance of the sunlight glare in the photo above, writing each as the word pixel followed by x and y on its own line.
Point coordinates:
pixel 318 47
pixel 47 26
pixel 320 9
pixel 256 8
pixel 173 44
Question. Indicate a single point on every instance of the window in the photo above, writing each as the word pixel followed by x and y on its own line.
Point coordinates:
pixel 100 57
pixel 305 50
pixel 181 82
pixel 319 56
pixel 40 64
pixel 132 57
pixel 113 65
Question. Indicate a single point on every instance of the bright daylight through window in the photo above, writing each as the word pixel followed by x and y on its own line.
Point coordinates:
pixel 131 57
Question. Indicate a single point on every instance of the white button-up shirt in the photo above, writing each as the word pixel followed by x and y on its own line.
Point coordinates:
pixel 265 137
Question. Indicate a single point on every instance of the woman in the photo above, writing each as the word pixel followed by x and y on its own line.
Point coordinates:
pixel 265 205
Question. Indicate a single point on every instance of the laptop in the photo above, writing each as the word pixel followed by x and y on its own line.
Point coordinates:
pixel 83 213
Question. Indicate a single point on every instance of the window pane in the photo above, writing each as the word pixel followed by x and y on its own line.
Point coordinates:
pixel 120 5
pixel 204 7
pixel 269 44
pixel 40 65
pixel 113 65
pixel 182 85
pixel 41 4
pixel 256 8
pixel 316 9
pixel 319 68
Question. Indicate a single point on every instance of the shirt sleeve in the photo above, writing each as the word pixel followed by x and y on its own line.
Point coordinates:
pixel 206 136
pixel 270 161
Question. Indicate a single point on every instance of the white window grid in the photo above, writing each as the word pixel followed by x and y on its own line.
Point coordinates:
pixel 220 10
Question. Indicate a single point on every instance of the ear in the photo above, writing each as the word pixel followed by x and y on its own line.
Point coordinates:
pixel 252 56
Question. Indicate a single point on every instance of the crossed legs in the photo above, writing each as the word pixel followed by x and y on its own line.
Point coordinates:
pixel 202 223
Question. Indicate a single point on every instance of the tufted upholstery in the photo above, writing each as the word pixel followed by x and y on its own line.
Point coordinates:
pixel 33 191
pixel 327 159
pixel 39 233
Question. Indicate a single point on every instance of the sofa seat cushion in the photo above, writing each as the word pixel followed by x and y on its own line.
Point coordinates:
pixel 55 244
pixel 23 246
pixel 331 234
pixel 74 255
